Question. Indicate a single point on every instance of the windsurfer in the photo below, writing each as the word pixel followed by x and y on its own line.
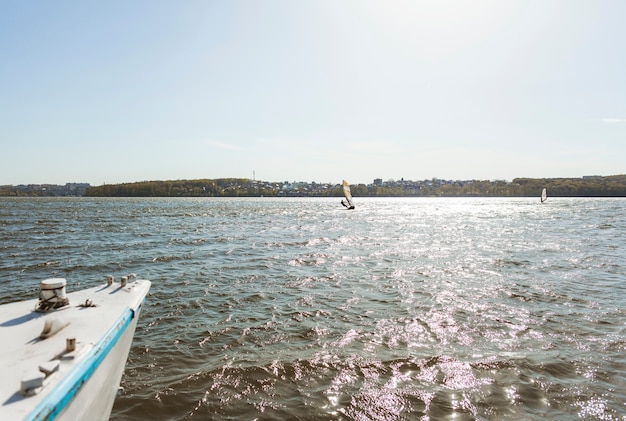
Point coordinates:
pixel 343 202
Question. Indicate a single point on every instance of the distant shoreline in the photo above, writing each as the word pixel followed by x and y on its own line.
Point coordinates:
pixel 591 186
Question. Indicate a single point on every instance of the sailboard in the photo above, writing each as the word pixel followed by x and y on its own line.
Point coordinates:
pixel 348 195
pixel 544 195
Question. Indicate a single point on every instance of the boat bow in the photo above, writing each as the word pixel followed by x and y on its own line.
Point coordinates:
pixel 64 354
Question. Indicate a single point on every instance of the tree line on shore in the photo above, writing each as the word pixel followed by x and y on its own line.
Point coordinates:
pixel 595 186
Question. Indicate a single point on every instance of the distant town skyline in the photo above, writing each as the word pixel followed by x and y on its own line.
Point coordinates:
pixel 375 180
pixel 592 186
pixel 314 90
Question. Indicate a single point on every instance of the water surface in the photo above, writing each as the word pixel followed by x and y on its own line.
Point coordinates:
pixel 416 308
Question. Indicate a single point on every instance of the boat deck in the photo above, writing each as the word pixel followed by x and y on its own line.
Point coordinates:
pixel 48 357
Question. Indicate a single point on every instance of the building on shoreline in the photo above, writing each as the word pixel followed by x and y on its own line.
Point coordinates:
pixel 69 189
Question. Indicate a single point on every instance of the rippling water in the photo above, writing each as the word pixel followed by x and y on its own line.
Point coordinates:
pixel 297 309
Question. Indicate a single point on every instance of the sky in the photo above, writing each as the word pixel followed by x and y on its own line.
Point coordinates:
pixel 311 90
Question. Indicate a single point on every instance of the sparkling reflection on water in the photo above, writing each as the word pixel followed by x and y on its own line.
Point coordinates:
pixel 298 309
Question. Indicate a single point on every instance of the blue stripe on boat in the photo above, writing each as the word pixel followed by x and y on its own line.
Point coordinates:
pixel 65 391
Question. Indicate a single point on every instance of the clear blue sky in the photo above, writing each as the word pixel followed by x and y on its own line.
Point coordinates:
pixel 311 90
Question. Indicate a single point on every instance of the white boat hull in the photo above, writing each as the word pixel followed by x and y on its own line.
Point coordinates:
pixel 83 381
pixel 94 401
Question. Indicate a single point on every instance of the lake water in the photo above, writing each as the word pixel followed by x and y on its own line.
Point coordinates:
pixel 420 308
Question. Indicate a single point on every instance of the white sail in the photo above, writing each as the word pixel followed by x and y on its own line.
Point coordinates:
pixel 544 195
pixel 347 194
